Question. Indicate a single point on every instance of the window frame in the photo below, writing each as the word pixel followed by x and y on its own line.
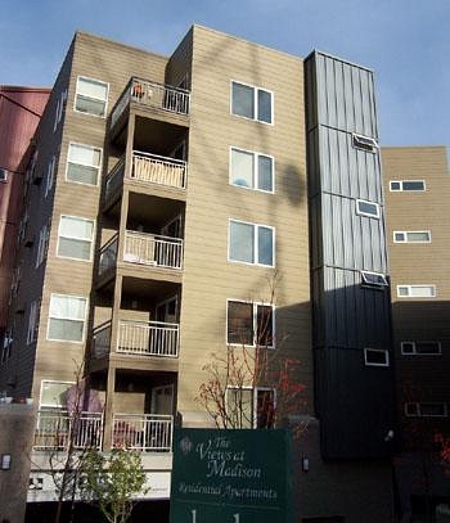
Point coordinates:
pixel 41 390
pixel 371 284
pixel 253 423
pixel 255 305
pixel 367 214
pixel 402 189
pixel 256 90
pixel 255 174
pixel 99 167
pixel 419 408
pixel 415 352
pixel 365 143
pixel 50 178
pixel 105 101
pixel 409 287
pixel 256 256
pixel 84 321
pixel 74 238
pixel 42 246
pixel 32 324
pixel 4 175
pixel 405 236
pixel 367 363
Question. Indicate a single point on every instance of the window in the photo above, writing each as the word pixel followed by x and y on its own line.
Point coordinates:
pixel 83 164
pixel 364 143
pixel 373 279
pixel 252 170
pixel 412 236
pixel 7 345
pixel 250 323
pixel 426 409
pixel 3 175
pixel 60 108
pixel 54 393
pixel 67 316
pixel 376 358
pixel 251 243
pixel 75 238
pixel 365 208
pixel 91 96
pixel 251 102
pixel 251 408
pixel 407 185
pixel 416 291
pixel 32 323
pixel 44 236
pixel 421 348
pixel 50 176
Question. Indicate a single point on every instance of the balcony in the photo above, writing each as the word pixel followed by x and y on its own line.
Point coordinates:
pixel 58 430
pixel 143 432
pixel 140 338
pixel 147 169
pixel 157 97
pixel 143 249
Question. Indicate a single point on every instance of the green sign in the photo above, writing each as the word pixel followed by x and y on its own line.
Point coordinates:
pixel 231 476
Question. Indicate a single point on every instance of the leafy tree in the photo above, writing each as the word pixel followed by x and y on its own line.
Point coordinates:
pixel 112 481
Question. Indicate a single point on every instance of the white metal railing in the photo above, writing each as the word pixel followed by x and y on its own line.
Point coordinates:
pixel 151 168
pixel 143 432
pixel 150 249
pixel 108 255
pixel 58 429
pixel 152 94
pixel 153 338
pixel 115 178
pixel 101 340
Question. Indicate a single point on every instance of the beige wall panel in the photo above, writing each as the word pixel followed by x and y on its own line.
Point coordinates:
pixel 209 277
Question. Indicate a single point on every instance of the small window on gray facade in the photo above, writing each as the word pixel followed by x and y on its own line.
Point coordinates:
pixel 376 357
pixel 365 143
pixel 373 279
pixel 365 208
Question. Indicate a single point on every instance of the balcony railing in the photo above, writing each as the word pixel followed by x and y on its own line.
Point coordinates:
pixel 150 432
pixel 152 94
pixel 161 170
pixel 108 255
pixel 153 338
pixel 101 340
pixel 58 429
pixel 150 249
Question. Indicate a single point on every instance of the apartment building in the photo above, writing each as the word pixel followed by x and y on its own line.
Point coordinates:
pixel 417 186
pixel 168 214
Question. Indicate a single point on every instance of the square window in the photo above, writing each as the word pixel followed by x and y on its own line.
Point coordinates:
pixel 365 208
pixel 250 324
pixel 91 96
pixel 376 358
pixel 373 279
pixel 54 393
pixel 250 408
pixel 67 316
pixel 251 170
pixel 83 164
pixel 251 243
pixel 76 237
pixel 251 102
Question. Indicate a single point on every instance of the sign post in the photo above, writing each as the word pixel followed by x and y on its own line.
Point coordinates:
pixel 231 476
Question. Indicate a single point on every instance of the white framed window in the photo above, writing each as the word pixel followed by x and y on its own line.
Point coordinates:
pixel 376 358
pixel 407 185
pixel 67 318
pixel 373 279
pixel 91 96
pixel 251 243
pixel 32 322
pixel 8 340
pixel 250 323
pixel 416 291
pixel 365 143
pixel 3 175
pixel 251 170
pixel 75 238
pixel 83 164
pixel 60 106
pixel 426 409
pixel 53 394
pixel 248 407
pixel 411 236
pixel 251 102
pixel 365 208
pixel 42 248
pixel 421 348
pixel 50 179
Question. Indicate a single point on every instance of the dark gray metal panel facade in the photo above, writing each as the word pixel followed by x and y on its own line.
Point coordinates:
pixel 354 402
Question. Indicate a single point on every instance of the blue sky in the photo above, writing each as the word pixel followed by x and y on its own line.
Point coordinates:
pixel 406 43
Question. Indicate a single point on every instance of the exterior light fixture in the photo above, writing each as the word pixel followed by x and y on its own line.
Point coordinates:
pixel 305 464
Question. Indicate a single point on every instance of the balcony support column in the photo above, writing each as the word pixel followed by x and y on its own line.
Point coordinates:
pixel 109 409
